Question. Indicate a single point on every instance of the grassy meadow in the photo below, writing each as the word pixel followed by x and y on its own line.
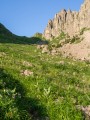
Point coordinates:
pixel 52 90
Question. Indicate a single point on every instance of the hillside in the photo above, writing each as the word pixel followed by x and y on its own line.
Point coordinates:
pixel 7 36
pixel 36 85
pixel 4 31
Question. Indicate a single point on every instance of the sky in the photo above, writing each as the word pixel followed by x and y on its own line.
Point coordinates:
pixel 26 17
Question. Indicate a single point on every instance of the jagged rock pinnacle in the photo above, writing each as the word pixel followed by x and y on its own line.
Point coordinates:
pixel 70 22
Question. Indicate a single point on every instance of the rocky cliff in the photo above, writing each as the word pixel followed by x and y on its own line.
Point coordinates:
pixel 70 22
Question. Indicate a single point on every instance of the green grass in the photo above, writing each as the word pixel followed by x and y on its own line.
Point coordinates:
pixel 51 93
pixel 55 42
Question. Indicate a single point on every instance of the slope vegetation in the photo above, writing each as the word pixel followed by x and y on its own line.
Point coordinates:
pixel 40 86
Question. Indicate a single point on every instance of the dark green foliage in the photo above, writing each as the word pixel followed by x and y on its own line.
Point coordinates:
pixel 7 37
pixel 75 39
pixel 4 31
pixel 83 30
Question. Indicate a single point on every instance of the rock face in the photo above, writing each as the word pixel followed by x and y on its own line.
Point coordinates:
pixel 80 50
pixel 70 22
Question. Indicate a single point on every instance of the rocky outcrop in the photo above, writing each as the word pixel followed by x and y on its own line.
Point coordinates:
pixel 70 22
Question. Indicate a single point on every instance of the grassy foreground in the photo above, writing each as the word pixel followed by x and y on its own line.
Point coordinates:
pixel 53 90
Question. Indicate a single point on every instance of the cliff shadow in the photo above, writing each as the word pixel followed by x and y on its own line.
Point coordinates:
pixel 26 105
